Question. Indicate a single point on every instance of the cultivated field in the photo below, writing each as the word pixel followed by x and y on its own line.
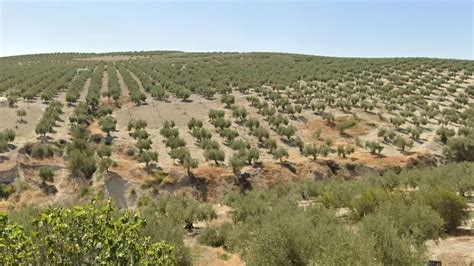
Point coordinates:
pixel 134 125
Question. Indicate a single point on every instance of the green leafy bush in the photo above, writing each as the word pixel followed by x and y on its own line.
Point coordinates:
pixel 89 234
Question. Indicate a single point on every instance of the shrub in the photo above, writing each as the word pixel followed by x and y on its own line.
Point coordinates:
pixel 6 191
pixel 451 207
pixel 46 174
pixel 390 248
pixel 280 153
pixel 148 156
pixel 311 150
pixel 210 236
pixel 107 124
pixel 105 237
pixel 419 222
pixel 103 151
pixel 82 162
pixel 236 162
pixel 461 148
pixel 40 151
pixel 215 155
pixel 367 202
pixel 402 142
pixel 346 124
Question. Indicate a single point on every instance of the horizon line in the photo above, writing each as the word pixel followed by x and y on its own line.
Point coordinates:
pixel 230 51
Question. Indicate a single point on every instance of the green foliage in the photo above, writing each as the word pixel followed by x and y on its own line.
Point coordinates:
pixel 21 113
pixel 402 143
pixel 239 144
pixel 215 155
pixel 221 123
pixel 311 150
pixel 228 100
pixel 46 174
pixel 287 131
pixel 374 147
pixel 201 134
pixel 40 151
pixel 107 124
pixel 210 236
pixel 239 112
pixel 461 148
pixel 137 124
pixel 6 191
pixel 148 156
pixel 209 144
pixel 8 135
pixel 271 230
pixel 345 124
pixel 194 123
pixel 270 144
pixel 214 114
pixel 229 134
pixel 175 142
pixel 444 134
pixel 236 162
pixel 82 162
pixel 367 202
pixel 183 94
pixel 103 150
pixel 143 144
pixel 89 234
pixel 104 111
pixel 280 153
pixel 451 207
pixel 343 151
pixel 181 210
pixel 106 162
pixel 390 248
pixel 413 220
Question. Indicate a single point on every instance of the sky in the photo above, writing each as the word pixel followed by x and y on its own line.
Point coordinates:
pixel 350 28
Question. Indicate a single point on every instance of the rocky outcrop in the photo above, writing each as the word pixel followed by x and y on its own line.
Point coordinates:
pixel 115 187
pixel 9 175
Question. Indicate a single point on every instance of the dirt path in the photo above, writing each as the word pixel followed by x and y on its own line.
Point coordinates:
pixel 85 90
pixel 453 250
pixel 25 131
pixel 105 84
pixel 204 255
pixel 62 129
pixel 124 94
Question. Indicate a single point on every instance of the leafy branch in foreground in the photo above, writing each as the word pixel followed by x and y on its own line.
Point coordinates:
pixel 89 234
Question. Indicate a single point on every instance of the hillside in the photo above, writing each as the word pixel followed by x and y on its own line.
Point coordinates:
pixel 139 127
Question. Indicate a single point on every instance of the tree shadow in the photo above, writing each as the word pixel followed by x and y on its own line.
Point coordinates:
pixel 3 158
pixel 11 146
pixel 302 118
pixel 288 142
pixel 242 181
pixel 419 141
pixel 48 189
pixel 346 135
pixel 287 165
pixel 407 153
pixel 200 185
pixel 152 167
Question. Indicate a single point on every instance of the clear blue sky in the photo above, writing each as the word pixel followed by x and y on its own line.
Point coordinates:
pixel 370 28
